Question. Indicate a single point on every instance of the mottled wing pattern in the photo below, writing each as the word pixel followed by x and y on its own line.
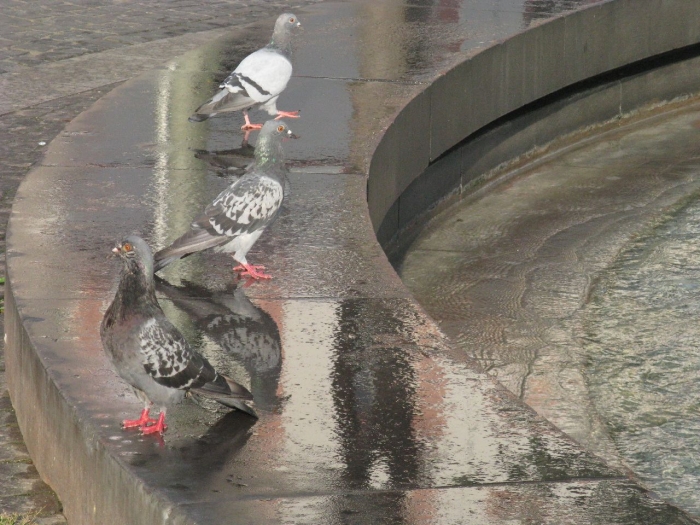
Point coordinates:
pixel 250 204
pixel 168 358
pixel 248 340
pixel 261 75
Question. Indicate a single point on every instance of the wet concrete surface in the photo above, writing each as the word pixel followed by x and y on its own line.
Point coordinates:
pixel 56 59
pixel 366 412
pixel 509 276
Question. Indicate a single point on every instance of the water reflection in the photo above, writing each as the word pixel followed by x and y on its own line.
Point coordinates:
pixel 542 9
pixel 243 331
pixel 374 396
pixel 229 161
pixel 193 466
pixel 508 275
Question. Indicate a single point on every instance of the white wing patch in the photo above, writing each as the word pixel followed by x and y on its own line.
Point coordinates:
pixel 264 74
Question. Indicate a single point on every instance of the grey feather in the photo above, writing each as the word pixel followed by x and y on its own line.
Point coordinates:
pixel 146 349
pixel 260 77
pixel 245 332
pixel 234 220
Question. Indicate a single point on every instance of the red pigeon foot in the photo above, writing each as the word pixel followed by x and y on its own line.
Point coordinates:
pixel 141 422
pixel 249 126
pixel 158 428
pixel 288 114
pixel 252 270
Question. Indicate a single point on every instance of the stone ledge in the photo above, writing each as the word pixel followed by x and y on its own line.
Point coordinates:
pixel 366 411
pixel 518 71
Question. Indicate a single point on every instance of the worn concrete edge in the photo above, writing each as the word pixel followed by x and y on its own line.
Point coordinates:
pixel 39 412
pixel 59 439
pixel 498 80
pixel 65 449
pixel 496 154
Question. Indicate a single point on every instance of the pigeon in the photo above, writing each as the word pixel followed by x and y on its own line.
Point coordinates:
pixel 151 354
pixel 258 80
pixel 239 214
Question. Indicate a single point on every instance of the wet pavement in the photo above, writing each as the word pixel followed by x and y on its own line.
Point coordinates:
pixel 573 284
pixel 85 49
pixel 367 415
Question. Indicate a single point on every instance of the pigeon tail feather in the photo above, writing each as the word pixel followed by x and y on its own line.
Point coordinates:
pixel 159 265
pixel 198 117
pixel 227 392
pixel 224 101
pixel 195 240
pixel 238 405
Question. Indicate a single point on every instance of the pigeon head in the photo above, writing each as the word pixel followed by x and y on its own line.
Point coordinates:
pixel 136 255
pixel 286 25
pixel 269 149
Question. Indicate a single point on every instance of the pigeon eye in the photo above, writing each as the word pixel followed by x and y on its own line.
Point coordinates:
pixel 292 20
pixel 280 128
pixel 126 247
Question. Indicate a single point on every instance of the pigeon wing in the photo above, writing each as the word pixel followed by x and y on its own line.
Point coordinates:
pixel 260 76
pixel 246 206
pixel 225 100
pixel 168 358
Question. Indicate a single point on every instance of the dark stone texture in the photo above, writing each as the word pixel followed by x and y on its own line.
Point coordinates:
pixel 534 64
pixel 511 141
pixel 440 179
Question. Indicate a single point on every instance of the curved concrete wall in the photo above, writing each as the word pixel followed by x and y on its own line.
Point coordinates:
pixel 514 73
pixel 70 423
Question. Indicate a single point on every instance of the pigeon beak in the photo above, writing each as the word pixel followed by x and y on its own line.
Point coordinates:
pixel 116 249
pixel 291 135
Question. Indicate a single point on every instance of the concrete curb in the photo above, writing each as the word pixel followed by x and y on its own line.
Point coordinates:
pixel 79 458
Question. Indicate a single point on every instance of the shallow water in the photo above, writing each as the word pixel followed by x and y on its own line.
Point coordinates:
pixel 576 285
pixel 642 339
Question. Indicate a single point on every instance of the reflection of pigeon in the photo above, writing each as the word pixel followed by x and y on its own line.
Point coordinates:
pixel 149 352
pixel 237 325
pixel 230 161
pixel 239 214
pixel 244 331
pixel 258 80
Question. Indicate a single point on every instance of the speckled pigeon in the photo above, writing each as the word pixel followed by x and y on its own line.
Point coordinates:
pixel 258 80
pixel 239 214
pixel 151 354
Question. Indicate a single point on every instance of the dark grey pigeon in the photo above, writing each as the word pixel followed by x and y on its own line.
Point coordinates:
pixel 258 80
pixel 151 354
pixel 239 214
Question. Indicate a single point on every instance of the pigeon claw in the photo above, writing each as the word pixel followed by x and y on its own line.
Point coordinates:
pixel 158 428
pixel 252 270
pixel 287 114
pixel 141 422
pixel 249 126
